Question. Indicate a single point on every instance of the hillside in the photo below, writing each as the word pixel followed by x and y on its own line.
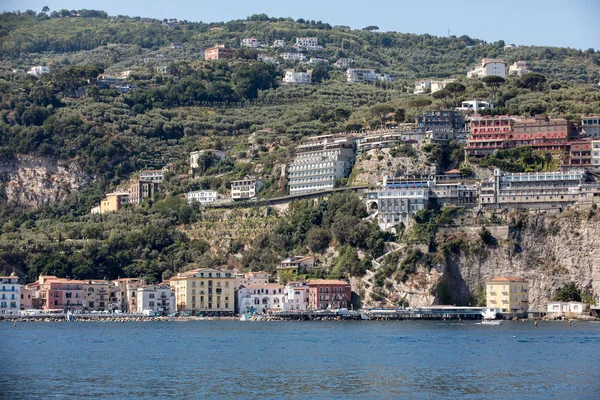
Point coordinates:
pixel 65 141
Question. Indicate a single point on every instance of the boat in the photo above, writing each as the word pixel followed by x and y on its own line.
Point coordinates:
pixel 245 317
pixel 491 322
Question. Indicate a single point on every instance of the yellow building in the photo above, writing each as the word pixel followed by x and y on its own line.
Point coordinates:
pixel 510 295
pixel 205 290
pixel 113 202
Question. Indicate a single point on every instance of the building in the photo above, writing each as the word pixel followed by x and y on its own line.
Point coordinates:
pixel 158 298
pixel 566 309
pixel 58 294
pixel 261 298
pixel 279 43
pixel 450 188
pixel 296 296
pixel 246 188
pixel 251 278
pixel 123 294
pixel 397 200
pixel 196 155
pixel 292 77
pixel 508 294
pixel 473 106
pixel 293 56
pixel 489 134
pixel 596 153
pixel 309 43
pixel 343 63
pixel 10 295
pixel 38 70
pixel 161 69
pixel 327 294
pixel 580 154
pixel 320 163
pixel 114 202
pixel 488 67
pixel 292 267
pixel 542 133
pixel 176 45
pixel 202 196
pixel 442 120
pixel 518 68
pixel 105 81
pixel 96 295
pixel 124 88
pixel 218 52
pixel 436 86
pixel 152 175
pixel 267 59
pixel 204 290
pixel 355 75
pixel 590 126
pixel 140 190
pixel 250 42
pixel 315 61
pixel 422 86
pixel 527 189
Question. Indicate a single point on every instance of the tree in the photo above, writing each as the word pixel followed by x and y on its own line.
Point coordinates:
pixel 455 88
pixel 493 82
pixel 400 116
pixel 318 239
pixel 569 292
pixel 532 81
pixel 443 95
pixel 320 73
pixel 371 28
pixel 381 111
pixel 419 103
pixel 45 9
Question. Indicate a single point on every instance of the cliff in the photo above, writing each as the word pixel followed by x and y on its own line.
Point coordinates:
pixel 33 181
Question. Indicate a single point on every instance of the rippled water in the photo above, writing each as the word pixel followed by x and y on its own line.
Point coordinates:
pixel 231 359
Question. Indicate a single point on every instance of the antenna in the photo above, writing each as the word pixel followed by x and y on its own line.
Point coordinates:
pixel 448 32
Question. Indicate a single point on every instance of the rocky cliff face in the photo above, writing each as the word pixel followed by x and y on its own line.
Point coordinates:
pixel 33 181
pixel 548 249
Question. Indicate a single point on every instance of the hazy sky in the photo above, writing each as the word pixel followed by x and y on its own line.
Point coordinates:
pixel 565 23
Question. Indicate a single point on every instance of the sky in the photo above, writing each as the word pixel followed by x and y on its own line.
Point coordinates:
pixel 562 23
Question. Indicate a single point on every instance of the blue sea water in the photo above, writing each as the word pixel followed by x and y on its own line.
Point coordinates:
pixel 300 360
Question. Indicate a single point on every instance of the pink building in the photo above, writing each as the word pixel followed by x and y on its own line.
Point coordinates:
pixel 326 294
pixel 58 294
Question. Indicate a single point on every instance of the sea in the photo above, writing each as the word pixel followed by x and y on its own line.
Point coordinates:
pixel 300 360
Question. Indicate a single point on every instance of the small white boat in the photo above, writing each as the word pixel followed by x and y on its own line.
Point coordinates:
pixel 491 322
pixel 245 317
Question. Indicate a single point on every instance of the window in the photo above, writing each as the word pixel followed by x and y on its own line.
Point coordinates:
pixel 151 295
pixel 151 304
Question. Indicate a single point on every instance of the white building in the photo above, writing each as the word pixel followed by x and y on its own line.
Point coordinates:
pixel 296 296
pixel 261 298
pixel 10 295
pixel 590 126
pixel 310 43
pixel 315 61
pixel 267 59
pixel 161 69
pixel 474 105
pixel 158 298
pixel 518 68
pixel 195 156
pixel 558 308
pixel 38 70
pixel 292 77
pixel 293 56
pixel 246 188
pixel 320 163
pixel 488 67
pixel 355 75
pixel 343 63
pixel 279 43
pixel 436 86
pixel 202 196
pixel 422 86
pixel 153 175
pixel 596 153
pixel 250 42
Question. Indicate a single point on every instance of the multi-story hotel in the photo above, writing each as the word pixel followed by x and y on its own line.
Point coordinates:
pixel 398 200
pixel 319 163
pixel 310 43
pixel 488 67
pixel 596 153
pixel 442 120
pixel 330 294
pixel 245 189
pixel 10 295
pixel 512 189
pixel 590 126
pixel 204 290
pixel 250 42
pixel 355 75
pixel 580 154
pixel 293 56
pixel 140 190
pixel 218 52
pixel 508 294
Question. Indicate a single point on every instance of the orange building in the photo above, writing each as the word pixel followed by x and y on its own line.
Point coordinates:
pixel 218 52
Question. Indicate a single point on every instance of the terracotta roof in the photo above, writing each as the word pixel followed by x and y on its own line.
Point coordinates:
pixel 507 279
pixel 265 286
pixel 452 171
pixel 327 282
